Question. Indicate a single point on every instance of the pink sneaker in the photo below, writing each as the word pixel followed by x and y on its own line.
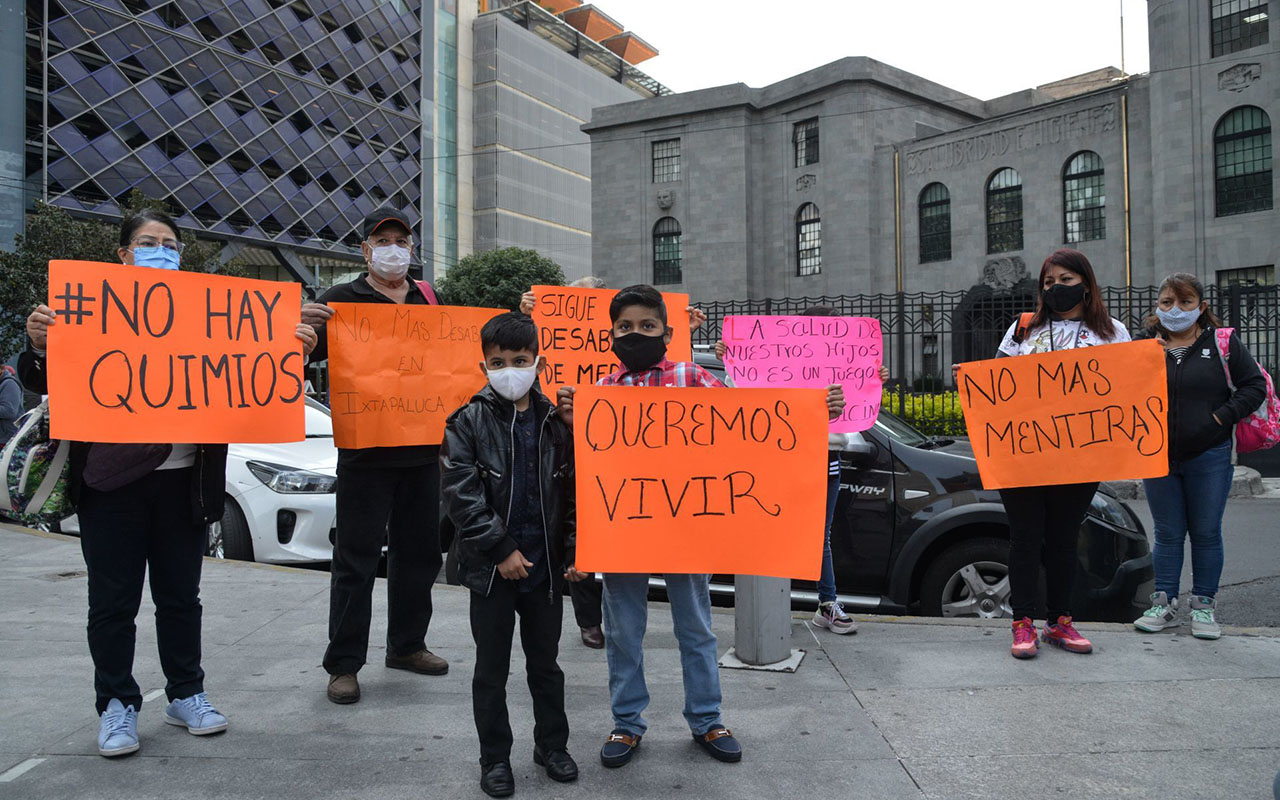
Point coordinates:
pixel 1064 635
pixel 1024 638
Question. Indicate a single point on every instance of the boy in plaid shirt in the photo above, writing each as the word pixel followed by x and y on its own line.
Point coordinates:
pixel 640 338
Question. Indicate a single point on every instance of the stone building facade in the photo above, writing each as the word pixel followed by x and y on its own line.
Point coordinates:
pixel 860 178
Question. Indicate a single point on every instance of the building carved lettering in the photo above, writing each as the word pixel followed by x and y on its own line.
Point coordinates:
pixel 1014 139
pixel 806 182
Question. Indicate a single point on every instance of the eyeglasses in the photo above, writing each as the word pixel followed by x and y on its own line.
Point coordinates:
pixel 168 244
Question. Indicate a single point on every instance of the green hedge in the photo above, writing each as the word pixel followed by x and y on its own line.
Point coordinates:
pixel 933 414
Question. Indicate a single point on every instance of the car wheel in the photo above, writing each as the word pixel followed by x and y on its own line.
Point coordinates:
pixel 969 579
pixel 237 543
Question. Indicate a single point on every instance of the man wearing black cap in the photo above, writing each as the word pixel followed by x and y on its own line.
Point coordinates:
pixel 385 495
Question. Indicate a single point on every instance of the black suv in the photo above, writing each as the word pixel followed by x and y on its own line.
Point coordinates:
pixel 915 532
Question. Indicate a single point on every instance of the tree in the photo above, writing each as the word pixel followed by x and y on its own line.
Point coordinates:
pixel 497 278
pixel 52 233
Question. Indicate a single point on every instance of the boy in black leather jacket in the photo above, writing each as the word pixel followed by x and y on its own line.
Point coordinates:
pixel 507 480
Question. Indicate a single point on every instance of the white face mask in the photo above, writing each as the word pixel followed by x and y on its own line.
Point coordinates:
pixel 390 262
pixel 512 383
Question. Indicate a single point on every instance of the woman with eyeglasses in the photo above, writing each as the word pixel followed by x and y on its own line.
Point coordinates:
pixel 143 507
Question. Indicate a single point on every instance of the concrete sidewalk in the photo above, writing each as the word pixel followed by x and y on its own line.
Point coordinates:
pixel 907 708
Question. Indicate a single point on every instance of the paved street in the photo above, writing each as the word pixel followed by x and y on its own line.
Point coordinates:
pixel 905 709
pixel 1250 593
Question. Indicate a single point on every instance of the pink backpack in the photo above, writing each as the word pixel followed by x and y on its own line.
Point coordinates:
pixel 1261 429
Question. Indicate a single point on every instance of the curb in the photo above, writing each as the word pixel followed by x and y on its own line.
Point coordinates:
pixel 1246 482
pixel 1247 631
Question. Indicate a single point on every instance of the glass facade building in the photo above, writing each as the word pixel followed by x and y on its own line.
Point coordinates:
pixel 446 138
pixel 276 125
pixel 273 123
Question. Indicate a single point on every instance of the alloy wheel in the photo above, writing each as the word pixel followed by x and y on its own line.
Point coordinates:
pixel 980 589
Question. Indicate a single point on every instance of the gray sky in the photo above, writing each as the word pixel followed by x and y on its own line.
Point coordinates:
pixel 985 48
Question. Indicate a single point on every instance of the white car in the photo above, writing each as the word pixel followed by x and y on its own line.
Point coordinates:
pixel 281 507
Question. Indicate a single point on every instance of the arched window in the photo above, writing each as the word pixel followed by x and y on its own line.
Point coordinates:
pixel 935 223
pixel 1242 161
pixel 1084 198
pixel 808 240
pixel 1004 211
pixel 666 251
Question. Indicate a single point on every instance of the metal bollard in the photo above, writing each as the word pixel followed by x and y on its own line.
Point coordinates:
pixel 762 620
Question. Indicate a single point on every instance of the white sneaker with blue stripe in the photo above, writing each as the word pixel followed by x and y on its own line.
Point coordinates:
pixel 196 714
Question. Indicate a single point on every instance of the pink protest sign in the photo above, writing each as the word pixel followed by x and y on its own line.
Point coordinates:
pixel 802 352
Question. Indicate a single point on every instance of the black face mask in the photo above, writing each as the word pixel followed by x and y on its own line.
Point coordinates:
pixel 1061 299
pixel 637 351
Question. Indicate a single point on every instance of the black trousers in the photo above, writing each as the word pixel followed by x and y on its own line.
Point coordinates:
pixel 1044 528
pixel 147 524
pixel 398 507
pixel 586 596
pixel 493 621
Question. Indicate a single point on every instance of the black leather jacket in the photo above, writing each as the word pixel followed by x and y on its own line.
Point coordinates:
pixel 1198 391
pixel 476 463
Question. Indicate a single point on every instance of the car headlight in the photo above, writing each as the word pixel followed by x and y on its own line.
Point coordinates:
pixel 287 480
pixel 1110 510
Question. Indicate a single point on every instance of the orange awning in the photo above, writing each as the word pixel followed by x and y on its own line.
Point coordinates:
pixel 593 22
pixel 559 6
pixel 630 47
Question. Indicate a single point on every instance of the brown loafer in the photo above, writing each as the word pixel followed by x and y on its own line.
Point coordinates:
pixel 593 637
pixel 424 662
pixel 343 689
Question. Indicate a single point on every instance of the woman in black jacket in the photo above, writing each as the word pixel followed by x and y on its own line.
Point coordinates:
pixel 143 506
pixel 1203 412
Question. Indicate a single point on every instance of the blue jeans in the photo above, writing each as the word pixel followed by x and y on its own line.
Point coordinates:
pixel 626 611
pixel 827 579
pixel 1191 499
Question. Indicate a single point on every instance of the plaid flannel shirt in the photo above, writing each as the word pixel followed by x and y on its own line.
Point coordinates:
pixel 664 373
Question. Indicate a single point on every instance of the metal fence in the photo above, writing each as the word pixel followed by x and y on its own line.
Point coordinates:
pixel 926 332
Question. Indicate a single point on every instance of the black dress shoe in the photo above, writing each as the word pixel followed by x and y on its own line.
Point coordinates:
pixel 496 779
pixel 559 764
pixel 593 637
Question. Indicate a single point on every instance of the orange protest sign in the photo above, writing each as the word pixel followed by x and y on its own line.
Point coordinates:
pixel 396 372
pixel 1068 416
pixel 159 356
pixel 701 480
pixel 576 335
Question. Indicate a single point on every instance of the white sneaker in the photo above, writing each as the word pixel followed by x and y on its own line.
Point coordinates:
pixel 1203 625
pixel 118 730
pixel 832 617
pixel 1162 614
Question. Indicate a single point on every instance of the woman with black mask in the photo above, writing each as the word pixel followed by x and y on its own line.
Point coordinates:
pixel 1044 521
